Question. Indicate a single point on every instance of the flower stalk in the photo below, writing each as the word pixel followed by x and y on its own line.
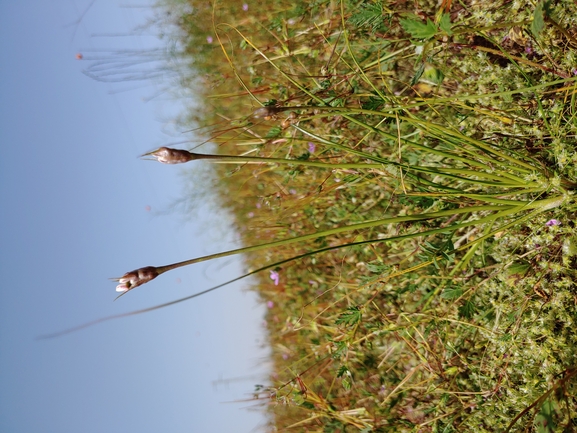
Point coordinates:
pixel 168 155
pixel 141 276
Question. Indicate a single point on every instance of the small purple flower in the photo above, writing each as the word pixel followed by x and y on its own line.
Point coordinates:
pixel 312 147
pixel 553 222
pixel 245 7
pixel 270 304
pixel 574 71
pixel 275 277
pixel 209 39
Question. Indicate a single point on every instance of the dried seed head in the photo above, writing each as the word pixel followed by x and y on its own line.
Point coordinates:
pixel 136 278
pixel 166 155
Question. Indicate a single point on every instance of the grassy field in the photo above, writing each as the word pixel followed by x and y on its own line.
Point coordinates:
pixel 402 175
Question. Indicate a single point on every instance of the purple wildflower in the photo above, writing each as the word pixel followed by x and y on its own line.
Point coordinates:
pixel 312 147
pixel 275 277
pixel 553 222
pixel 245 7
pixel 209 39
pixel 270 304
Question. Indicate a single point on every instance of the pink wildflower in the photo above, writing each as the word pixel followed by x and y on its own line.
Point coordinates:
pixel 275 277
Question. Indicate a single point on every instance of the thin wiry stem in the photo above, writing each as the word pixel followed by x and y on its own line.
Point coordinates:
pixel 308 254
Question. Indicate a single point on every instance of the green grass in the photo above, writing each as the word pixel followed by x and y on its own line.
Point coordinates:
pixel 404 182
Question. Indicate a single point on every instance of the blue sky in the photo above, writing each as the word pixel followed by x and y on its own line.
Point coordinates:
pixel 78 207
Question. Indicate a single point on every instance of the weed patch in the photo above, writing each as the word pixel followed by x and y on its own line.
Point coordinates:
pixel 402 176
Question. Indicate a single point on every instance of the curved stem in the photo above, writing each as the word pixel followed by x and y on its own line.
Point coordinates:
pixel 483 220
pixel 337 230
pixel 504 210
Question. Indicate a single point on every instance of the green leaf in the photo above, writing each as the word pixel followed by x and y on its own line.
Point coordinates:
pixel 445 24
pixel 418 74
pixel 275 131
pixel 369 16
pixel 452 293
pixel 373 103
pixel 340 349
pixel 343 369
pixel 418 29
pixel 467 310
pixel 350 317
pixel 538 19
pixel 545 419
pixel 346 384
pixel 377 267
pixel 433 75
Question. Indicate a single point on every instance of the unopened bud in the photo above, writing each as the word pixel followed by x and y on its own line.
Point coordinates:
pixel 166 155
pixel 136 278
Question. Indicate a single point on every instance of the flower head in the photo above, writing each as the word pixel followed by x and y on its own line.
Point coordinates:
pixel 553 222
pixel 166 155
pixel 275 277
pixel 136 278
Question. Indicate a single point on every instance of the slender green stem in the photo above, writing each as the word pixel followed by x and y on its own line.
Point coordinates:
pixel 541 206
pixel 337 230
pixel 442 171
pixel 503 211
pixel 429 170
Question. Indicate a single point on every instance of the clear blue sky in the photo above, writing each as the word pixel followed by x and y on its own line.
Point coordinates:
pixel 73 207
